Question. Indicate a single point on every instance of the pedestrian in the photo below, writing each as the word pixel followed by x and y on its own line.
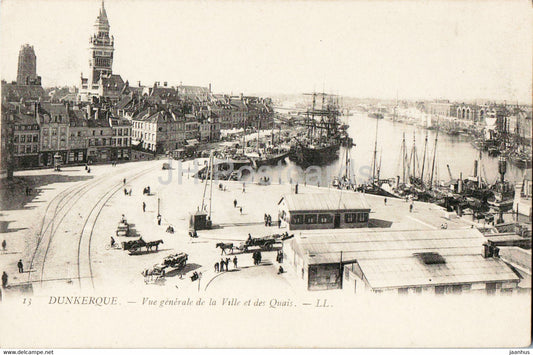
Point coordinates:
pixel 227 263
pixel 4 245
pixel 124 181
pixel 243 187
pixel 159 219
pixel 265 219
pixel 144 206
pixel 222 265
pixel 4 280
pixel 259 257
pixel 269 220
pixel 125 192
pixel 235 262
pixel 411 207
pixel 88 170
pixel 234 203
pixel 129 192
pixel 86 166
pixel 279 222
pixel 385 201
pixel 217 267
pixel 240 209
pixel 280 270
pixel 20 266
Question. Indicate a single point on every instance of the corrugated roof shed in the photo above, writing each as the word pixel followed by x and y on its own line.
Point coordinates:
pixel 389 258
pixel 325 202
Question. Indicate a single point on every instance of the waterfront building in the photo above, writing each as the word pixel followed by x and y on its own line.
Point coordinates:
pixel 159 130
pixel 101 82
pixel 324 211
pixel 6 139
pixel 77 131
pixel 53 119
pixel 121 140
pixel 25 138
pixel 27 67
pixel 99 136
pixel 399 262
pixel 209 130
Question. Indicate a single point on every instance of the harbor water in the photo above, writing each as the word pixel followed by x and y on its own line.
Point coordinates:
pixel 455 151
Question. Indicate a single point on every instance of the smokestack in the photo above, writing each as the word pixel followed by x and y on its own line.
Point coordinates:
pixel 209 87
pixel 460 183
pixel 475 168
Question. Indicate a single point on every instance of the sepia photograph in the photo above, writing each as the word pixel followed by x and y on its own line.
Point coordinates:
pixel 265 174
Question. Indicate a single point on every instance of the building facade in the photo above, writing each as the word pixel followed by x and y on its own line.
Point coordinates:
pixel 323 211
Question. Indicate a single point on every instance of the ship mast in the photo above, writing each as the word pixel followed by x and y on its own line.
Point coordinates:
pixel 424 159
pixel 375 153
pixel 434 155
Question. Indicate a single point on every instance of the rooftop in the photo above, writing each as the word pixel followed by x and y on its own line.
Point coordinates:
pixel 398 258
pixel 325 202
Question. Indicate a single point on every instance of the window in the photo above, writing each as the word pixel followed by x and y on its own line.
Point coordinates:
pixel 16 139
pixel 79 133
pixel 94 132
pixel 101 132
pixel 23 139
pixel 297 219
pixel 113 142
pixel 120 131
pixel 403 291
pixel 54 131
pixel 350 217
pixel 457 289
pixel 439 290
pixel 310 219
pixel 35 138
pixel 362 217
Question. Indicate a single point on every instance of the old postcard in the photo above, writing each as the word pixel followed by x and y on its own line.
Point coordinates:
pixel 265 174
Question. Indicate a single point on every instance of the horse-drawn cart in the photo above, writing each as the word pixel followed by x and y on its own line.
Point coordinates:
pixel 123 229
pixel 157 273
pixel 134 247
pixel 266 243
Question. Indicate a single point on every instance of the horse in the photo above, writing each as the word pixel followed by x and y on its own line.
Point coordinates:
pixel 224 246
pixel 152 244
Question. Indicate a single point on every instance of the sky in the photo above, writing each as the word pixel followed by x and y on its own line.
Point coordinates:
pixel 458 50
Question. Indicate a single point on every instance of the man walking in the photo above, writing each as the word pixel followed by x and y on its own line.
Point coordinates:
pixel 20 266
pixel 4 244
pixel 144 206
pixel 235 203
pixel 240 209
pixel 159 219
pixel 411 207
pixel 227 263
pixel 235 262
pixel 217 267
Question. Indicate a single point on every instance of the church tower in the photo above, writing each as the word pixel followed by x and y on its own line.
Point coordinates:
pixel 101 49
pixel 27 67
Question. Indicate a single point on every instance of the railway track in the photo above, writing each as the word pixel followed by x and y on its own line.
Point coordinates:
pixel 51 222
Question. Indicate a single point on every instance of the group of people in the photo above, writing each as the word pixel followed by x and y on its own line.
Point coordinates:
pixel 268 220
pixel 257 257
pixel 223 265
pixel 127 192
pixel 87 168
pixel 28 191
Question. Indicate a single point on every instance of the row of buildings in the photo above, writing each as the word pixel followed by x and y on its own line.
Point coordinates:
pixel 105 118
pixel 341 242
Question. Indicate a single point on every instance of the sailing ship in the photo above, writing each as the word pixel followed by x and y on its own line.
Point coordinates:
pixel 323 138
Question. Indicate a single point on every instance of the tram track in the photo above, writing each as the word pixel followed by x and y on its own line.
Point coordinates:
pixel 68 198
pixel 107 196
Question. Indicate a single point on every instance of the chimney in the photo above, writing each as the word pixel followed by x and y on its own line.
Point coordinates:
pixel 165 84
pixel 241 96
pixel 209 87
pixel 139 83
pixel 486 251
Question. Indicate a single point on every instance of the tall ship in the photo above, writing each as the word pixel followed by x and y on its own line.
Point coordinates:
pixel 321 142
